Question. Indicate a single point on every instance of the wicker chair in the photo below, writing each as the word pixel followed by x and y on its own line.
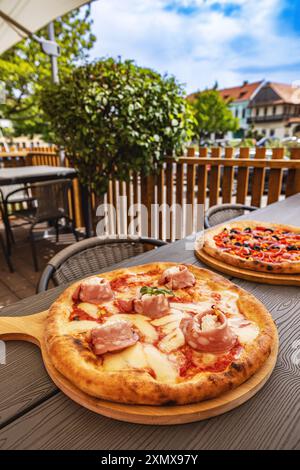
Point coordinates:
pixel 224 212
pixel 89 256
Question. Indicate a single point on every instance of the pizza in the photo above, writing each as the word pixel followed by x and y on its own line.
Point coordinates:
pixel 156 334
pixel 257 246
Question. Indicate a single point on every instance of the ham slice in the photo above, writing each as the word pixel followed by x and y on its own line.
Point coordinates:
pixel 153 306
pixel 177 277
pixel 93 290
pixel 113 337
pixel 124 305
pixel 208 332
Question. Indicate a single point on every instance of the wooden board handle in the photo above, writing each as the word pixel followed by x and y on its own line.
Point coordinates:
pixel 28 328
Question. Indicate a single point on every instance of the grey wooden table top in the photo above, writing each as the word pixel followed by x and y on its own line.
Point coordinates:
pixel 34 414
pixel 29 174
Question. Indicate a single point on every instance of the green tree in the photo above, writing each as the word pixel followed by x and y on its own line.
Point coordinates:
pixel 113 117
pixel 25 69
pixel 212 115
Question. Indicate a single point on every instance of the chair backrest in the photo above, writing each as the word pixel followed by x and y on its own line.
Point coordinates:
pixel 89 256
pixel 51 198
pixel 224 212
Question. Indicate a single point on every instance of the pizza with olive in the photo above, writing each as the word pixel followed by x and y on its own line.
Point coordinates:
pixel 257 246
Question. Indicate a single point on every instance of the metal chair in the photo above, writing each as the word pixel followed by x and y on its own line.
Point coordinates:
pixel 222 213
pixel 89 256
pixel 6 254
pixel 49 203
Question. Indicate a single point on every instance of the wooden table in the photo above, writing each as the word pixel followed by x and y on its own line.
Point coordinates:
pixel 33 174
pixel 34 414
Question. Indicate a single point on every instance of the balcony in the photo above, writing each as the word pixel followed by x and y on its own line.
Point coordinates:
pixel 268 118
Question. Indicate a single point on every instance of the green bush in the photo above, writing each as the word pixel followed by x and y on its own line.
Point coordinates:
pixel 113 117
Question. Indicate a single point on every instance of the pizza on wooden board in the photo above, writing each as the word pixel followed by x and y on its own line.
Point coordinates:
pixel 258 246
pixel 159 333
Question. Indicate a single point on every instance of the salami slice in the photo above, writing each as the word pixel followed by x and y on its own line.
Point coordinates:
pixel 113 337
pixel 208 332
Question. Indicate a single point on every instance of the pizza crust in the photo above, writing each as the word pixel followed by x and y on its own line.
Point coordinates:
pixel 72 357
pixel 287 267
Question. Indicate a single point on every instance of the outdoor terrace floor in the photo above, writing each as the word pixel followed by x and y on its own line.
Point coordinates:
pixel 22 283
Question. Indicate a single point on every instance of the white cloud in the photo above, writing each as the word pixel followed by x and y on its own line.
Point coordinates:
pixel 199 41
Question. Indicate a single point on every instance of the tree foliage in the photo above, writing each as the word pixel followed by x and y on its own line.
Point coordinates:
pixel 212 115
pixel 113 117
pixel 25 69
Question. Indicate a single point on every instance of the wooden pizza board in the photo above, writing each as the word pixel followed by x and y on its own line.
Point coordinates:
pixel 31 328
pixel 255 276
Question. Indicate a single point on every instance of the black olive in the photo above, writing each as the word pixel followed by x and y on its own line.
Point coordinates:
pixel 246 244
pixel 256 248
pixel 291 248
pixel 233 231
pixel 257 237
pixel 247 230
pixel 238 244
pixel 269 230
pixel 276 238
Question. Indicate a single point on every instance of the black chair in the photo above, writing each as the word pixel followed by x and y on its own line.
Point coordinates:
pixel 89 256
pixel 48 203
pixel 6 254
pixel 216 215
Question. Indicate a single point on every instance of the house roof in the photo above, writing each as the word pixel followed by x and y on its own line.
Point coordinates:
pixel 240 93
pixel 287 93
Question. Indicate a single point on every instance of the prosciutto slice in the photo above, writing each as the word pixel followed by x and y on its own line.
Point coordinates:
pixel 177 277
pixel 113 337
pixel 153 306
pixel 93 290
pixel 208 332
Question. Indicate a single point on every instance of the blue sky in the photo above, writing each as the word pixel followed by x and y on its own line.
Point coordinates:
pixel 203 41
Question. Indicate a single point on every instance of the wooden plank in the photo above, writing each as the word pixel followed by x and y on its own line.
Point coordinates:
pixel 293 177
pixel 227 180
pixel 257 163
pixel 169 197
pixel 242 178
pixel 275 177
pixel 190 193
pixel 258 179
pixel 202 178
pixel 214 178
pixel 160 181
pixel 147 198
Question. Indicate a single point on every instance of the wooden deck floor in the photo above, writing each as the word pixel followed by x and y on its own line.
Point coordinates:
pixel 22 283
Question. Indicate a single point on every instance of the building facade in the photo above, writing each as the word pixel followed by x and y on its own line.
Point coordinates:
pixel 239 98
pixel 274 111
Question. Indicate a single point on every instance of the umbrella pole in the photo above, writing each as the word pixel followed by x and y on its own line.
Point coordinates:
pixel 54 67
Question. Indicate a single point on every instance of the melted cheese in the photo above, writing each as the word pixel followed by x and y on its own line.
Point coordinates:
pixel 75 327
pixel 245 334
pixel 165 371
pixel 199 307
pixel 174 340
pixel 130 357
pixel 91 309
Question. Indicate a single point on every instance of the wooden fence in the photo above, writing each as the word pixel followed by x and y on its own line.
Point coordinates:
pixel 203 177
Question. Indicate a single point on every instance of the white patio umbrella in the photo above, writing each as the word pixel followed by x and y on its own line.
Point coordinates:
pixel 22 18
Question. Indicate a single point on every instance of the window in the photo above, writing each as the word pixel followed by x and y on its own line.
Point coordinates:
pixel 266 111
pixel 274 110
pixel 257 111
pixel 236 112
pixel 244 113
pixel 272 132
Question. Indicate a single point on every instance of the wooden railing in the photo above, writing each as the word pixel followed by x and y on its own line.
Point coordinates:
pixel 205 177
